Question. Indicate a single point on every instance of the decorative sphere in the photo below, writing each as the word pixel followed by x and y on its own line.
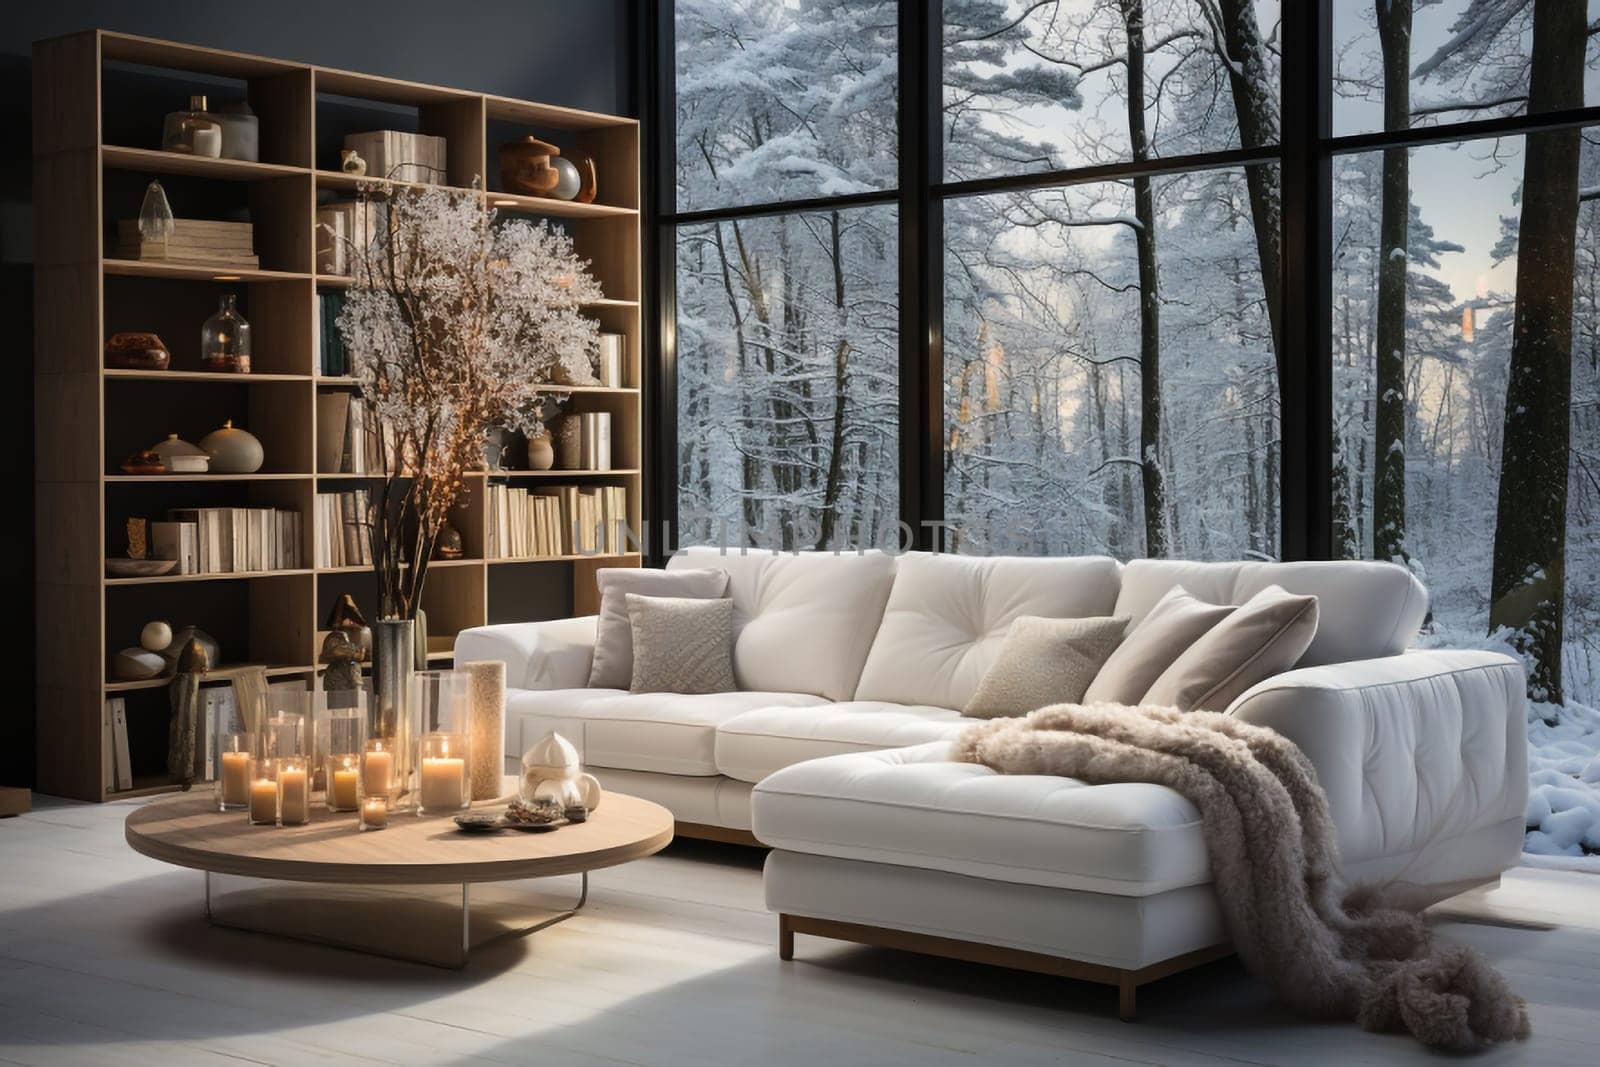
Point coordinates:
pixel 232 450
pixel 568 180
pixel 155 637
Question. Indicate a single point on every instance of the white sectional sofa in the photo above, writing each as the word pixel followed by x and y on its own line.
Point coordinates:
pixel 834 753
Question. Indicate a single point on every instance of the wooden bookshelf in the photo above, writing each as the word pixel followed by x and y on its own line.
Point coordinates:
pixel 99 99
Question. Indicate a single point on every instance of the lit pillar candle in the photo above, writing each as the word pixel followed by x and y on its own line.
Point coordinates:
pixel 263 801
pixel 443 781
pixel 342 785
pixel 294 796
pixel 235 779
pixel 376 771
pixel 374 813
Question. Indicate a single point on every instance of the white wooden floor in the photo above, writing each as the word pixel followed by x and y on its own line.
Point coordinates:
pixel 105 958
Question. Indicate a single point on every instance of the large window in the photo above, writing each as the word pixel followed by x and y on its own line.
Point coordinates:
pixel 1216 279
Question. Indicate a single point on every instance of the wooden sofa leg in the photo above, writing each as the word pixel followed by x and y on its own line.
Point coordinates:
pixel 1126 991
pixel 785 938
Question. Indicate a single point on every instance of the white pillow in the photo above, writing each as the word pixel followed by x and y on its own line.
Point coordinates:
pixel 1043 662
pixel 1266 635
pixel 1177 621
pixel 681 644
pixel 612 667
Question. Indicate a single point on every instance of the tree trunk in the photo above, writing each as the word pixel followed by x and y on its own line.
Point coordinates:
pixel 1155 505
pixel 841 353
pixel 1389 453
pixel 1528 590
pixel 1254 105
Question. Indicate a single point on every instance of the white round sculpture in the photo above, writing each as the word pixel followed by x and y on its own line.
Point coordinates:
pixel 552 769
pixel 156 636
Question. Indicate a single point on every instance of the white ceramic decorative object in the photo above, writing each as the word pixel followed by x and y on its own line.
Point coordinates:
pixel 552 769
pixel 568 180
pixel 180 457
pixel 241 130
pixel 136 664
pixel 155 637
pixel 232 450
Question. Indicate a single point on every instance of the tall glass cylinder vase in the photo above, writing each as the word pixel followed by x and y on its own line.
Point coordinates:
pixel 444 742
pixel 389 715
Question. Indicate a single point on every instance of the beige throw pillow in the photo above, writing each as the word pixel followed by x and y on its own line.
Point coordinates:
pixel 612 667
pixel 1177 621
pixel 1043 662
pixel 1264 636
pixel 681 644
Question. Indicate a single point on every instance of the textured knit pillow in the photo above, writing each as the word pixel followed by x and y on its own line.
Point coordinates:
pixel 681 644
pixel 1177 621
pixel 1043 662
pixel 612 667
pixel 1264 636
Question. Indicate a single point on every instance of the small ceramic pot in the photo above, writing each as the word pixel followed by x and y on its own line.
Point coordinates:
pixel 180 457
pixel 351 162
pixel 232 450
pixel 527 167
pixel 541 453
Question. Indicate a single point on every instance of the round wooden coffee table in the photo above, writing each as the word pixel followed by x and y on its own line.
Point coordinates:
pixel 419 889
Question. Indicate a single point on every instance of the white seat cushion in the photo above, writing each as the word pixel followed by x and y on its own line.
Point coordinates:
pixel 802 622
pixel 1364 609
pixel 948 615
pixel 752 745
pixel 671 733
pixel 916 808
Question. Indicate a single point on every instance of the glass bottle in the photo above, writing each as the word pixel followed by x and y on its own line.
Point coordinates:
pixel 193 131
pixel 225 339
pixel 155 216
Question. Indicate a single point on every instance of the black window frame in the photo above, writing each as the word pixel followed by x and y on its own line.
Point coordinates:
pixel 1304 156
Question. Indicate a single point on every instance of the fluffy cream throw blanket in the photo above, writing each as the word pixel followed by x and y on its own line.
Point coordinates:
pixel 1326 951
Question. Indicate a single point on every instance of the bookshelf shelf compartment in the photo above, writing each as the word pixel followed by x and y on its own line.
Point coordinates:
pixel 93 155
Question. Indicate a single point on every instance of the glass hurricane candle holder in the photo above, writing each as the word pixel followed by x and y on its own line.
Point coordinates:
pixel 341 740
pixel 444 742
pixel 263 809
pixel 294 791
pixel 378 769
pixel 283 735
pixel 236 754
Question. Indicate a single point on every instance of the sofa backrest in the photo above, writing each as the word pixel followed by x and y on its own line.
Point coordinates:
pixel 803 622
pixel 947 615
pixel 1365 609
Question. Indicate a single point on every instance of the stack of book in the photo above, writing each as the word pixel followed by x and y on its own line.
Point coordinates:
pixel 342 225
pixel 331 358
pixel 346 441
pixel 583 441
pixel 401 157
pixel 228 540
pixel 201 241
pixel 562 520
pixel 343 527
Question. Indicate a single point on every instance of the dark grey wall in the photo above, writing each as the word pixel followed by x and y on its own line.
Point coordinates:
pixel 572 52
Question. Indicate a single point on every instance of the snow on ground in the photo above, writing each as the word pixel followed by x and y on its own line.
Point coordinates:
pixel 1564 786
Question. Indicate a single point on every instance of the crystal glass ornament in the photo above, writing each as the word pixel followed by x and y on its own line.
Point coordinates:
pixel 155 214
pixel 225 338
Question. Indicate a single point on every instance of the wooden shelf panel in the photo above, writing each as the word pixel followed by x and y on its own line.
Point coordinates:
pixel 200 376
pixel 622 472
pixel 223 576
pixel 122 157
pixel 153 52
pixel 158 478
pixel 576 557
pixel 217 674
pixel 564 209
pixel 552 116
pixel 134 268
pixel 433 565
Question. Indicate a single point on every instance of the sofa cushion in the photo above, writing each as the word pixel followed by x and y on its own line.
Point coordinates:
pixel 672 733
pixel 752 745
pixel 947 616
pixel 1177 621
pixel 1264 636
pixel 916 808
pixel 681 644
pixel 1365 609
pixel 1043 662
pixel 612 667
pixel 803 622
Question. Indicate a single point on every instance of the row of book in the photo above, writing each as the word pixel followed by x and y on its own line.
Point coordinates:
pixel 344 521
pixel 561 520
pixel 344 224
pixel 332 360
pixel 229 540
pixel 347 443
pixel 207 242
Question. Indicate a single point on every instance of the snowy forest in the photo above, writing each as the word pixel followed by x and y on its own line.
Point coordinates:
pixel 1111 350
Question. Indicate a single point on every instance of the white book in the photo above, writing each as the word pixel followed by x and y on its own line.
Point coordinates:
pixel 108 749
pixel 119 740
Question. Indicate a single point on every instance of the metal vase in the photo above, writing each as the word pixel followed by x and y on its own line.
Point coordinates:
pixel 389 714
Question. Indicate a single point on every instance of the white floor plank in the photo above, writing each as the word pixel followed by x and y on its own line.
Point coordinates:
pixel 105 958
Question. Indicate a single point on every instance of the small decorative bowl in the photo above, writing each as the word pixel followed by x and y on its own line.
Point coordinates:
pixel 119 567
pixel 479 822
pixel 145 462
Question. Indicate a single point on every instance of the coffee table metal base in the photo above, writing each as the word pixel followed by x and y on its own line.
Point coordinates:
pixel 438 925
